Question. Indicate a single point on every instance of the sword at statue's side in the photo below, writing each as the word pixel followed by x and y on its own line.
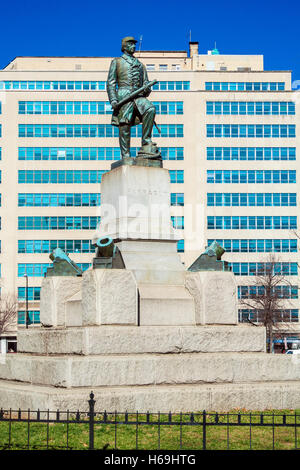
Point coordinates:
pixel 135 94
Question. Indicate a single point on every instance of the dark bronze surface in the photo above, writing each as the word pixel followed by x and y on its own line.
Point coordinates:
pixel 126 76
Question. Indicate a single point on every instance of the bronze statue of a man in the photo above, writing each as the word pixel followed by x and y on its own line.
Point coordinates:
pixel 126 75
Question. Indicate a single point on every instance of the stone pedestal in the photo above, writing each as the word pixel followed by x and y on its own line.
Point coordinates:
pixel 55 292
pixel 215 295
pixel 135 204
pixel 109 296
pixel 188 352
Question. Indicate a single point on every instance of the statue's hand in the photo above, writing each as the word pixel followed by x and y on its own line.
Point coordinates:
pixel 114 104
pixel 147 91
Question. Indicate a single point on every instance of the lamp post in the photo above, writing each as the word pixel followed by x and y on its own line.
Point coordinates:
pixel 26 297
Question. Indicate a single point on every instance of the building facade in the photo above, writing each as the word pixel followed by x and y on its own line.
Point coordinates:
pixel 228 137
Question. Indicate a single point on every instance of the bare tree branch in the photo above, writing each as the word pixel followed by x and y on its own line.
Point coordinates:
pixel 267 296
pixel 8 312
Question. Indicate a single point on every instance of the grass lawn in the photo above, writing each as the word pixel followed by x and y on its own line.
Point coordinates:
pixel 150 436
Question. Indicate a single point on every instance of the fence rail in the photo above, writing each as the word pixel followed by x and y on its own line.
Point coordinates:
pixel 106 427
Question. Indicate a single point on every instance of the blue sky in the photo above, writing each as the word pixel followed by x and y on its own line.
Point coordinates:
pixel 95 28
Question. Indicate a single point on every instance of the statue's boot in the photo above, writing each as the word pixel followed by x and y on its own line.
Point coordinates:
pixel 149 149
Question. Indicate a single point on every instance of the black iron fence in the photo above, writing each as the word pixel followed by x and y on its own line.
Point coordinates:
pixel 29 429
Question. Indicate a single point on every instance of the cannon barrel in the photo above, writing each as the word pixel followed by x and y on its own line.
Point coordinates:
pixel 105 247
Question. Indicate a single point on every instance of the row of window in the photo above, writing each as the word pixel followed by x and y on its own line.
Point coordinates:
pixel 251 176
pixel 65 107
pixel 255 269
pixel 171 85
pixel 252 199
pixel 251 222
pixel 283 292
pixel 251 153
pixel 73 199
pixel 251 130
pixel 250 107
pixel 244 86
pixel 256 316
pixel 52 85
pixel 57 223
pixel 93 130
pixel 47 246
pixel 167 130
pixel 60 176
pixel 89 153
pixel 69 246
pixel 73 85
pixel 59 199
pixel 40 269
pixel 267 245
pixel 168 107
pixel 33 293
pixel 76 176
pixel 88 107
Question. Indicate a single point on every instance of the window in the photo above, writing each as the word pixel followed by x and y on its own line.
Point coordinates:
pixel 163 67
pixel 150 67
pixel 177 199
pixel 178 222
pixel 180 246
pixel 34 293
pixel 176 176
pixel 34 317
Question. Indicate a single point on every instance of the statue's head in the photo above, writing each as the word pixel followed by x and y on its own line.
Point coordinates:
pixel 128 44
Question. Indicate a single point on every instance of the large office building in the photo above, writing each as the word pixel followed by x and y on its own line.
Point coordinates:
pixel 228 137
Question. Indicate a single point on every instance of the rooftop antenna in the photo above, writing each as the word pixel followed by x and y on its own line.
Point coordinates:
pixel 190 35
pixel 140 44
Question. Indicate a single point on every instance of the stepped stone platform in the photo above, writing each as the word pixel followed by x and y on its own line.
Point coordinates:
pixel 163 398
pixel 148 369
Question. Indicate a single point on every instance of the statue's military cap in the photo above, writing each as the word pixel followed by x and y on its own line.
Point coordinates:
pixel 127 39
